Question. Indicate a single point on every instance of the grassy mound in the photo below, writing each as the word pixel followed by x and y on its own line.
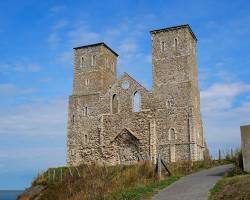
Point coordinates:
pixel 119 182
pixel 234 186
pixel 100 182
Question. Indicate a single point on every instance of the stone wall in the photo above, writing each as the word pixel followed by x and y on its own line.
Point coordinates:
pixel 245 145
pixel 114 130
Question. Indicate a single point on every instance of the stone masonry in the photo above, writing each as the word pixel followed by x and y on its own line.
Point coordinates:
pixel 245 146
pixel 118 121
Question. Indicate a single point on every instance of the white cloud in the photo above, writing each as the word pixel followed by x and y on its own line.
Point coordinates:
pixel 221 95
pixel 53 40
pixel 66 58
pixel 222 119
pixel 127 46
pixel 82 35
pixel 60 24
pixel 20 67
pixel 38 118
pixel 11 89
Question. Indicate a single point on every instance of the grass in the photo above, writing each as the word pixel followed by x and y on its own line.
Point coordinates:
pixel 234 186
pixel 139 192
pixel 119 182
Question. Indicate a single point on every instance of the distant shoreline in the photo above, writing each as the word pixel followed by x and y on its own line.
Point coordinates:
pixel 10 194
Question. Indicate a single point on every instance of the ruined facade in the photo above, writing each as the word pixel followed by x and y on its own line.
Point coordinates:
pixel 118 121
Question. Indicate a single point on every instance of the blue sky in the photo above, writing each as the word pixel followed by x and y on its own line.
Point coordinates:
pixel 36 44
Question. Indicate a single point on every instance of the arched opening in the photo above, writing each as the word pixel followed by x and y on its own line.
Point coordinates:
pixel 172 135
pixel 114 104
pixel 136 102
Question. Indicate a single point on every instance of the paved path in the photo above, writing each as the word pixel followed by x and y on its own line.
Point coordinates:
pixel 193 187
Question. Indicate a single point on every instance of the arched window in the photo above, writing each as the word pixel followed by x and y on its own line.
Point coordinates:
pixel 114 104
pixel 175 44
pixel 172 135
pixel 136 102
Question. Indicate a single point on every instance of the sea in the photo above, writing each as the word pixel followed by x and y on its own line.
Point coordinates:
pixel 9 194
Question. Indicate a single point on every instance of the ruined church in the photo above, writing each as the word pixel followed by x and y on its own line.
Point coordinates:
pixel 118 121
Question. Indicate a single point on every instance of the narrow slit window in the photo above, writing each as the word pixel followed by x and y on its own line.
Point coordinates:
pixel 85 139
pixel 87 82
pixel 106 62
pixel 93 60
pixel 82 61
pixel 86 112
pixel 162 46
pixel 136 102
pixel 113 67
pixel 175 44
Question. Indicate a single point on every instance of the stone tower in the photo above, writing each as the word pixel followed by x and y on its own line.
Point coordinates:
pixel 175 82
pixel 94 69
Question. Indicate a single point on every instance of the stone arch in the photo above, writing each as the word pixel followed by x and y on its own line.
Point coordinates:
pixel 114 104
pixel 136 101
pixel 127 147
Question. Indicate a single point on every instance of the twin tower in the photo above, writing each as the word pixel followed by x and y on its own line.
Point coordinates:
pixel 118 121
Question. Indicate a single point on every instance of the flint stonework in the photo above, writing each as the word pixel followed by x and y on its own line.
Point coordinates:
pixel 245 146
pixel 103 126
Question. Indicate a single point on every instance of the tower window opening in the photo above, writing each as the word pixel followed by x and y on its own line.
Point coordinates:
pixel 175 44
pixel 162 46
pixel 93 60
pixel 82 63
pixel 115 104
pixel 86 111
pixel 106 62
pixel 113 67
pixel 172 135
pixel 85 139
pixel 136 102
pixel 87 82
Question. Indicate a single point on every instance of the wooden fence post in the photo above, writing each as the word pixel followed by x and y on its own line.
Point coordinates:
pixel 159 166
pixel 70 172
pixel 54 175
pixel 61 175
pixel 78 172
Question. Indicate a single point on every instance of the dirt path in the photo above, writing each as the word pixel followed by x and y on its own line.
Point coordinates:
pixel 193 187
